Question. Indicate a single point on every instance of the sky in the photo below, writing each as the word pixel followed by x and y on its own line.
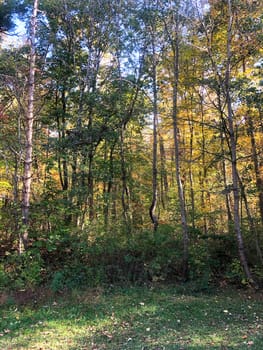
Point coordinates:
pixel 16 37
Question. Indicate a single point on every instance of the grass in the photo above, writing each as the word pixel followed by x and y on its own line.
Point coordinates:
pixel 135 318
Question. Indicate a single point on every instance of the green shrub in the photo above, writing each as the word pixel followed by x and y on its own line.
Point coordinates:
pixel 72 260
pixel 4 278
pixel 58 281
pixel 235 273
pixel 199 264
pixel 23 271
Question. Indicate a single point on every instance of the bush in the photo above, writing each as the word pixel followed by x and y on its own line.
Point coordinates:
pixel 4 278
pixel 235 273
pixel 112 259
pixel 70 261
pixel 58 281
pixel 22 271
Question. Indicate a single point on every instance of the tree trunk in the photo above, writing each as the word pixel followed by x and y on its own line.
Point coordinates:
pixel 152 209
pixel 237 223
pixel 91 187
pixel 259 179
pixel 29 121
pixel 202 173
pixel 163 173
pixel 226 193
pixel 175 48
pixel 251 222
pixel 125 196
pixel 108 185
pixel 190 170
pixel 62 163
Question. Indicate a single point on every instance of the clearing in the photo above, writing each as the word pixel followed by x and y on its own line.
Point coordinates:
pixel 153 318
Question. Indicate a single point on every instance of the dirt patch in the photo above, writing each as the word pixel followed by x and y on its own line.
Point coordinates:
pixel 27 296
pixel 3 298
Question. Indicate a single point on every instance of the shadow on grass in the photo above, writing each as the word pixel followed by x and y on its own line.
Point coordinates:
pixel 135 318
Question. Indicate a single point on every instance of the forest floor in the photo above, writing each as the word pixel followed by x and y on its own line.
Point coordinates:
pixel 143 318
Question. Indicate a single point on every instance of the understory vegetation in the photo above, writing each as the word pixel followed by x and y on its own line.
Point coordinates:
pixel 66 261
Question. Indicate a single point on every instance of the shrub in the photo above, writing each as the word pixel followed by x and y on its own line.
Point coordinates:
pixel 4 278
pixel 22 271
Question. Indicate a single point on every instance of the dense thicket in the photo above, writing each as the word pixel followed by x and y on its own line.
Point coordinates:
pixel 146 143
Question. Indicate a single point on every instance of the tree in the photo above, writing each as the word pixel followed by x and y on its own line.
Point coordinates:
pixel 223 63
pixel 29 125
pixel 173 34
pixel 150 18
pixel 232 137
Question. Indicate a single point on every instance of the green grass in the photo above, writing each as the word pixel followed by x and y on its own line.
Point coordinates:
pixel 135 318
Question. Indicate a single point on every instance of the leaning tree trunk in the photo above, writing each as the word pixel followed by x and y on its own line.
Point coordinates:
pixel 29 121
pixel 233 150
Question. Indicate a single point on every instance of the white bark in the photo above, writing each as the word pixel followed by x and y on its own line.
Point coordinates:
pixel 29 121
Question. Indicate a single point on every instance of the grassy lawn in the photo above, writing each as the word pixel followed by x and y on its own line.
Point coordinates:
pixel 134 318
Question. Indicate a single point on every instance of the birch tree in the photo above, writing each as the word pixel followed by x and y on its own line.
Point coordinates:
pixel 29 122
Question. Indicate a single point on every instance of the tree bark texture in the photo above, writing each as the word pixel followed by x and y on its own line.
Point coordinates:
pixel 29 121
pixel 152 209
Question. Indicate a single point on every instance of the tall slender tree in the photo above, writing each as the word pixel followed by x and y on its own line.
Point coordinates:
pixel 29 123
pixel 233 141
pixel 173 33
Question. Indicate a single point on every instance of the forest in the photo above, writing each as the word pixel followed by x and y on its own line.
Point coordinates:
pixel 131 143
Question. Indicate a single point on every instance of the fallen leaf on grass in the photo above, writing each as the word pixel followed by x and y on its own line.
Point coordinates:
pixel 98 347
pixel 107 334
pixel 125 324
